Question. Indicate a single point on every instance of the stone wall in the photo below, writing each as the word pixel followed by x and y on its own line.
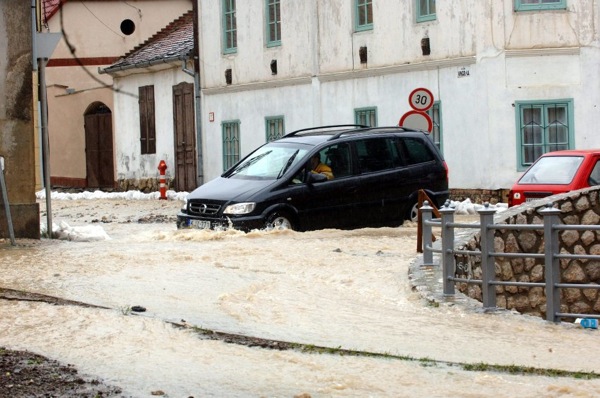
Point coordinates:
pixel 492 196
pixel 579 207
pixel 145 185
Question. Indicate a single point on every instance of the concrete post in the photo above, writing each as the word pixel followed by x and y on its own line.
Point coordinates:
pixel 448 270
pixel 488 268
pixel 16 118
pixel 551 262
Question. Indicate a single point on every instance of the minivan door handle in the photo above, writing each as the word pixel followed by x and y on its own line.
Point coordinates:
pixel 352 190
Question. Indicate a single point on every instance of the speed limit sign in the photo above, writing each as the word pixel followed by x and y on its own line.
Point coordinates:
pixel 421 99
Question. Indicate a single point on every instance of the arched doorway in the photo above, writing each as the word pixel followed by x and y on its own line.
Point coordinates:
pixel 99 161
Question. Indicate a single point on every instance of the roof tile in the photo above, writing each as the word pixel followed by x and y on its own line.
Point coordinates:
pixel 176 40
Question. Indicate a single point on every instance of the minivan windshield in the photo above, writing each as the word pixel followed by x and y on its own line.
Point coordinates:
pixel 552 170
pixel 269 162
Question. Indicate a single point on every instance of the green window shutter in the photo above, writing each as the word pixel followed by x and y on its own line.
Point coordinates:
pixel 536 5
pixel 274 127
pixel 435 113
pixel 366 116
pixel 425 10
pixel 273 23
pixel 229 27
pixel 543 126
pixel 364 15
pixel 231 143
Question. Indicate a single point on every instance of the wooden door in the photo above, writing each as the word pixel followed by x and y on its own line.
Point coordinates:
pixel 99 150
pixel 185 137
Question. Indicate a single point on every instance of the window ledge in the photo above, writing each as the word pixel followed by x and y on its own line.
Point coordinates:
pixel 534 52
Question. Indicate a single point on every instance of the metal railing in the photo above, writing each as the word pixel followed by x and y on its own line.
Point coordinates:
pixel 551 255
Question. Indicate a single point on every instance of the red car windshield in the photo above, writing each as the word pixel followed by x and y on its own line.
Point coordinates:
pixel 552 170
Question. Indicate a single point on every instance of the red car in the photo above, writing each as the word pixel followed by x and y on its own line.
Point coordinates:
pixel 557 172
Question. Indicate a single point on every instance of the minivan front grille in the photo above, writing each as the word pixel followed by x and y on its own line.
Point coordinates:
pixel 203 209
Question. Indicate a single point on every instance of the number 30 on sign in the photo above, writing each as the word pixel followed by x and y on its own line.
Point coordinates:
pixel 421 99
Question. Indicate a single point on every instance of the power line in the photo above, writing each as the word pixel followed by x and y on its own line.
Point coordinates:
pixel 99 20
pixel 80 63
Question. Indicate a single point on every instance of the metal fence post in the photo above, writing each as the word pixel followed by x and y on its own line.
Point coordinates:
pixel 447 215
pixel 551 262
pixel 426 216
pixel 488 268
pixel 9 223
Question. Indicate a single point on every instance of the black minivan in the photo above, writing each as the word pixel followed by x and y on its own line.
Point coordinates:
pixel 377 173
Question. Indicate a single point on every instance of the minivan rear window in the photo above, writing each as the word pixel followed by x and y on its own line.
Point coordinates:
pixel 416 151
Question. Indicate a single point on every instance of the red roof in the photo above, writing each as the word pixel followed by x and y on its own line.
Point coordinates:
pixel 49 8
pixel 175 41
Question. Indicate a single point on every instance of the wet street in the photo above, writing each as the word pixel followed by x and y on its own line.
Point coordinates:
pixel 333 289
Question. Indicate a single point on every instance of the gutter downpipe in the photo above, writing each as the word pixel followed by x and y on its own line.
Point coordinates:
pixel 39 64
pixel 33 34
pixel 196 63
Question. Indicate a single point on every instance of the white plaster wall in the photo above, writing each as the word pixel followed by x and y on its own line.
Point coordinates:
pixel 250 108
pixel 252 61
pixel 561 28
pixel 396 38
pixel 129 161
pixel 509 57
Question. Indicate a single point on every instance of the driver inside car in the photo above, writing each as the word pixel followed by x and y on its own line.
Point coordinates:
pixel 319 167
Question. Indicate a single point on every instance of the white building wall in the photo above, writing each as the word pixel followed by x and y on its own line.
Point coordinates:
pixel 507 56
pixel 250 108
pixel 251 63
pixel 130 164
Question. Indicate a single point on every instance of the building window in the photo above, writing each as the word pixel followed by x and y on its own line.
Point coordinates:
pixel 543 126
pixel 274 128
pixel 229 27
pixel 273 23
pixel 425 10
pixel 366 117
pixel 231 143
pixel 435 113
pixel 364 14
pixel 147 127
pixel 534 5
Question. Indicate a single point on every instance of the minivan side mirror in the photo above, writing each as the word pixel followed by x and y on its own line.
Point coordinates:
pixel 316 177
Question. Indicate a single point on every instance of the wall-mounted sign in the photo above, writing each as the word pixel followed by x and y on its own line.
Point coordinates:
pixel 211 116
pixel 463 72
pixel 416 120
pixel 420 99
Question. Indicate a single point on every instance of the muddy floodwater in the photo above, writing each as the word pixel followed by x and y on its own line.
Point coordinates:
pixel 332 289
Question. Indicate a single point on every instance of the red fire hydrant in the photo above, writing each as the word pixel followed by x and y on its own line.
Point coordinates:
pixel 162 167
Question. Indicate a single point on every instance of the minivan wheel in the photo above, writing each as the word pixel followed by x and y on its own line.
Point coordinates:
pixel 413 214
pixel 279 220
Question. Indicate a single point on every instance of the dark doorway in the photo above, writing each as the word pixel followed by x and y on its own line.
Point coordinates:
pixel 100 169
pixel 185 137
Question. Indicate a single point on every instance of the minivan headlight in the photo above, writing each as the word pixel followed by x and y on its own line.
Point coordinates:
pixel 240 208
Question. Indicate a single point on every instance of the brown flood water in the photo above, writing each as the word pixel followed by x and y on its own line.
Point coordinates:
pixel 330 288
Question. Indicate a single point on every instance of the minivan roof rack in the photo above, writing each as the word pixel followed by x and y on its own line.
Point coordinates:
pixel 357 126
pixel 374 129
